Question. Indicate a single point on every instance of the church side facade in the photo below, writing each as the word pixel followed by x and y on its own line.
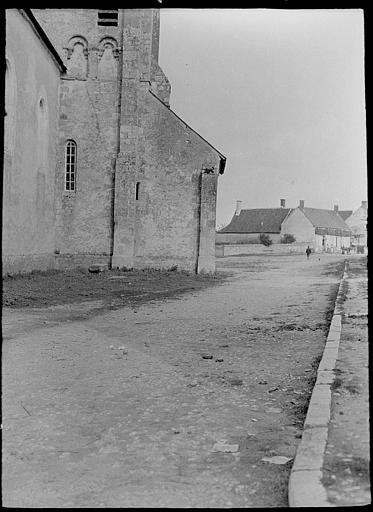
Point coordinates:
pixel 134 185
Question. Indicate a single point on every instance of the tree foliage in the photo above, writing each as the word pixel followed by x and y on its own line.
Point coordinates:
pixel 287 238
pixel 265 239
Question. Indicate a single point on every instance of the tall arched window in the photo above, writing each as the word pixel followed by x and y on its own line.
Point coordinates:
pixel 70 165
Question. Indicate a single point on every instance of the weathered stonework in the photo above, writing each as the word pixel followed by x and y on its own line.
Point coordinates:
pixel 31 133
pixel 145 181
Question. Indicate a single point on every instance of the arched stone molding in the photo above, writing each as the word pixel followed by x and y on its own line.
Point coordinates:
pixel 77 57
pixel 108 41
pixel 108 57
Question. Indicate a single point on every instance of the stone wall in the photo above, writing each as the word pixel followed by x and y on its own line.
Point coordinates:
pixel 165 225
pixel 145 182
pixel 222 250
pixel 240 238
pixel 32 89
pixel 89 117
pixel 206 253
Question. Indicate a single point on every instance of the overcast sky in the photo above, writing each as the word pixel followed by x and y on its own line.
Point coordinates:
pixel 280 93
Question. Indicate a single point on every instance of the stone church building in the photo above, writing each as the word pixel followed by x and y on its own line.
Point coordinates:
pixel 97 167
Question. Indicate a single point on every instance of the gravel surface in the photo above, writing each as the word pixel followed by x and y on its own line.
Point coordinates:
pixel 171 402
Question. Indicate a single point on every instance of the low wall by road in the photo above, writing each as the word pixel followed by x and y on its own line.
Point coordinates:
pixel 222 250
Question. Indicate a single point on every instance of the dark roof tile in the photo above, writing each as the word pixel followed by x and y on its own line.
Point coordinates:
pixel 325 218
pixel 259 220
pixel 345 213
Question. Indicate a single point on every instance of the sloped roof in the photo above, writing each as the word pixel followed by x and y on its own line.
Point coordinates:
pixel 325 218
pixel 345 213
pixel 223 159
pixel 28 15
pixel 259 220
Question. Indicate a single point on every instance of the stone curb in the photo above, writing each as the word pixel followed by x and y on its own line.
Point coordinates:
pixel 305 487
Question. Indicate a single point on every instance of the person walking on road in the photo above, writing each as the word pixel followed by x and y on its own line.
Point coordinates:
pixel 308 251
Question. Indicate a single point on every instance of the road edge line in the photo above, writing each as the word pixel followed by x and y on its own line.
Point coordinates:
pixel 305 488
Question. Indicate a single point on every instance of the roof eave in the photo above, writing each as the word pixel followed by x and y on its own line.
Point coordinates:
pixel 27 13
pixel 223 158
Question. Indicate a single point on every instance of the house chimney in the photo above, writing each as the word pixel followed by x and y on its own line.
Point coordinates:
pixel 364 204
pixel 301 203
pixel 282 203
pixel 238 208
pixel 336 208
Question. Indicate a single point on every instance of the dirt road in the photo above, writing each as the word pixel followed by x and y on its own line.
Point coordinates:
pixel 173 403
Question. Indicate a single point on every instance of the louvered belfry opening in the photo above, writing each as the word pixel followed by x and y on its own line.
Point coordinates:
pixel 107 17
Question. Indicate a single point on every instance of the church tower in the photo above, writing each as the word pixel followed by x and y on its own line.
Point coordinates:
pixel 130 174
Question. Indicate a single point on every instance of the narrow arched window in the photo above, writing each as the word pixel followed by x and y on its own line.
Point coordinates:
pixel 70 165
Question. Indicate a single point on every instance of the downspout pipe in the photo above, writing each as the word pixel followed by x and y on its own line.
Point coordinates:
pixel 117 143
pixel 199 220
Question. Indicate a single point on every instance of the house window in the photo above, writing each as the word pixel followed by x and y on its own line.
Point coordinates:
pixel 107 18
pixel 137 190
pixel 70 165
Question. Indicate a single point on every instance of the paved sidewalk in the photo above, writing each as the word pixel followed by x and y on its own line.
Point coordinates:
pixel 346 462
pixel 331 466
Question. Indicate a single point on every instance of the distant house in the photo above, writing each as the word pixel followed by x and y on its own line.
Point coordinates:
pixel 246 226
pixel 322 230
pixel 357 222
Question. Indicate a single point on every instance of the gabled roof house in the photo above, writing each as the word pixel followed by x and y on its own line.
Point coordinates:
pixel 324 230
pixel 357 222
pixel 247 225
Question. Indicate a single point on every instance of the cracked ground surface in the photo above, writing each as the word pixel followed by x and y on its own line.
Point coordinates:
pixel 124 408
